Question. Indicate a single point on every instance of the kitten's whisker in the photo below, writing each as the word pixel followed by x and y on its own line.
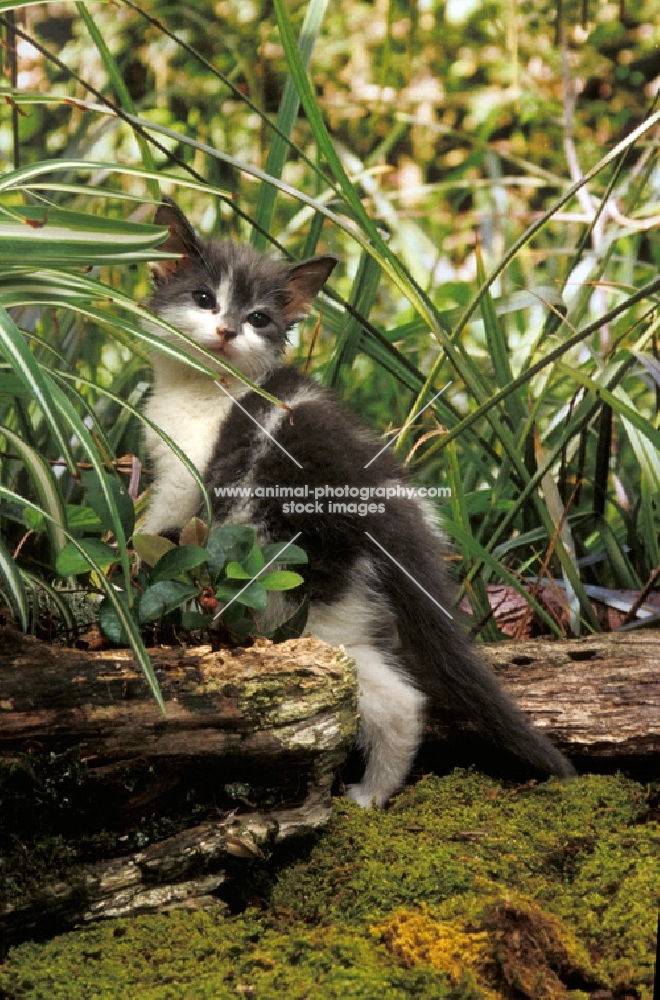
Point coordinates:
pixel 409 575
pixel 406 425
pixel 260 426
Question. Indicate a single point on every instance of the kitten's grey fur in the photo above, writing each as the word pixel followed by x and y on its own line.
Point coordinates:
pixel 240 305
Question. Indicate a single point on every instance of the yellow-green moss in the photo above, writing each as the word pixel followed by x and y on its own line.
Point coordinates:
pixel 462 889
pixel 513 946
pixel 415 937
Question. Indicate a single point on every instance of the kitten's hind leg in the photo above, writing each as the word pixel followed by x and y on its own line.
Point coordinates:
pixel 391 724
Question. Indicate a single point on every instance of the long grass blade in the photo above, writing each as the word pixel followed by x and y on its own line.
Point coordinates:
pixel 558 514
pixel 477 593
pixel 477 552
pixel 25 366
pixel 363 296
pixel 11 578
pixel 286 119
pixel 121 90
pixel 612 399
pixel 87 443
pixel 45 486
pixel 55 597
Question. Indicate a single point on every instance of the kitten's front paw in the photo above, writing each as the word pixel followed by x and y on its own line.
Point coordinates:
pixel 364 796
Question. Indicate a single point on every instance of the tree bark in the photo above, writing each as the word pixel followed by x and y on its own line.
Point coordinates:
pixel 596 697
pixel 262 704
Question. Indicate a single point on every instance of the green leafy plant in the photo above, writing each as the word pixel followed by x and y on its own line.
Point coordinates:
pixel 223 576
pixel 494 219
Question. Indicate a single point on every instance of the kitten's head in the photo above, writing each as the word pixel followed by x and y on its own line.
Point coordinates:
pixel 229 298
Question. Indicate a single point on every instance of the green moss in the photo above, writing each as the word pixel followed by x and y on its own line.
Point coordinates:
pixel 580 850
pixel 201 955
pixel 462 889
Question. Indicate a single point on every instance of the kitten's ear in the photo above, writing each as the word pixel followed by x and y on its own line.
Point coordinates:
pixel 182 239
pixel 303 284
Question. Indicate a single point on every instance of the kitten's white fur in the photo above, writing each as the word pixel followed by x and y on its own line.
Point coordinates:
pixel 190 408
pixel 391 708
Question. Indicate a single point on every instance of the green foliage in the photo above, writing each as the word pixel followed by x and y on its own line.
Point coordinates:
pixel 185 586
pixel 487 173
pixel 463 889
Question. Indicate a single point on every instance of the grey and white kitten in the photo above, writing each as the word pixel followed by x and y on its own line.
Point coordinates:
pixel 239 305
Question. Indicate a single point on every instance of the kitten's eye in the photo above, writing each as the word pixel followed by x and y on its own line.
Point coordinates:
pixel 205 300
pixel 259 320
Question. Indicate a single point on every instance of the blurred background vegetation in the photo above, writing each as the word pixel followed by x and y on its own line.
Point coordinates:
pixel 437 147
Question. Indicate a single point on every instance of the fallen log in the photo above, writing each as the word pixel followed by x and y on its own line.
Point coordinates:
pixel 109 808
pixel 154 811
pixel 597 697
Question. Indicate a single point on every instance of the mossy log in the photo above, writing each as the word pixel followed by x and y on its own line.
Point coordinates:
pixel 90 770
pixel 265 701
pixel 595 696
pixel 154 811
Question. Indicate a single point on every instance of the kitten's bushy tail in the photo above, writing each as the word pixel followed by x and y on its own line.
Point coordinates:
pixel 450 664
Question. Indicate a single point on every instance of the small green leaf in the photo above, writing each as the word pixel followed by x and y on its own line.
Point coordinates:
pixel 280 579
pixel 253 596
pixel 255 561
pixel 235 571
pixel 82 519
pixel 192 620
pixel 151 548
pixel 33 519
pixel 70 562
pixel 294 627
pixel 176 561
pixel 237 540
pixel 96 499
pixel 110 624
pixel 292 555
pixel 231 542
pixel 163 597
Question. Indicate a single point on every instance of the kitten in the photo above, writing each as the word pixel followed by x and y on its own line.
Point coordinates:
pixel 375 576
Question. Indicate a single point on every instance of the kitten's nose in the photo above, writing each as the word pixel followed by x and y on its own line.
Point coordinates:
pixel 225 335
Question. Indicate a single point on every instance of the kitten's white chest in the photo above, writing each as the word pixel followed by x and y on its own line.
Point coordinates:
pixel 191 410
